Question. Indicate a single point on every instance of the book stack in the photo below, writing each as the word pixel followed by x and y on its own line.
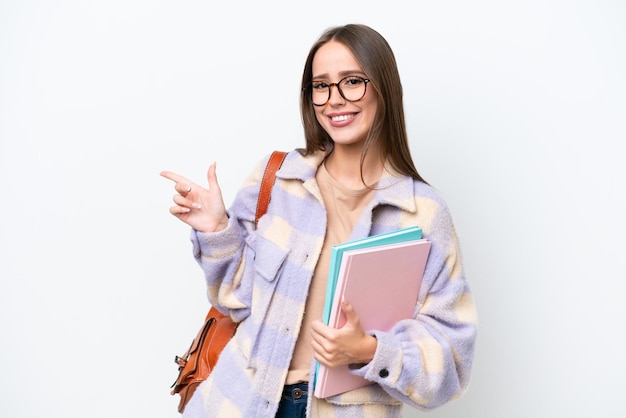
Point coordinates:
pixel 380 277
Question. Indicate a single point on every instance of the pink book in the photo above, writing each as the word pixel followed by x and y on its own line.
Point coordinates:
pixel 382 284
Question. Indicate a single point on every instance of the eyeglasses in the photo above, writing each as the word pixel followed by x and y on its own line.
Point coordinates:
pixel 352 88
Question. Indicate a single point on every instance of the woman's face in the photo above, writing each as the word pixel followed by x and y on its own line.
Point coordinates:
pixel 347 123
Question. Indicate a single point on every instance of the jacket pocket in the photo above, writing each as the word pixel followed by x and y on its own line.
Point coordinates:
pixel 269 259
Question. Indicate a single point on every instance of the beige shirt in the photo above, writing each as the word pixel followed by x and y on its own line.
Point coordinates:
pixel 344 207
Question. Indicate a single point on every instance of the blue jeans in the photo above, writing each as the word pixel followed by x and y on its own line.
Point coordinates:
pixel 293 401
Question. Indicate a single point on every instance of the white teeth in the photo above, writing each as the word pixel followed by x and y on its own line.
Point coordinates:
pixel 341 118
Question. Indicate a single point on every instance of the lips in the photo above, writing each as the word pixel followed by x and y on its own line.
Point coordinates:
pixel 343 119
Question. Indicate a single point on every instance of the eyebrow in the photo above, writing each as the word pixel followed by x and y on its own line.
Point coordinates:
pixel 342 74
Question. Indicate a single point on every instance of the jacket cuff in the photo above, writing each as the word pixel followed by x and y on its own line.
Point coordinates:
pixel 387 362
pixel 210 244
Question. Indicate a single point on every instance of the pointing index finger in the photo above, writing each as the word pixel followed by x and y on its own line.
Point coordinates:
pixel 176 178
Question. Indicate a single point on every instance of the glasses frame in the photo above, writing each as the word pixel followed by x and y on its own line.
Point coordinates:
pixel 330 90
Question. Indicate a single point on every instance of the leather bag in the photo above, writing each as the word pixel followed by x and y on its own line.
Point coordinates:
pixel 197 363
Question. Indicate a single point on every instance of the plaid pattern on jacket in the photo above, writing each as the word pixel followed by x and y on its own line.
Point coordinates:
pixel 261 278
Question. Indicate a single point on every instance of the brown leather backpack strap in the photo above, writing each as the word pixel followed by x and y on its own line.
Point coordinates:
pixel 274 163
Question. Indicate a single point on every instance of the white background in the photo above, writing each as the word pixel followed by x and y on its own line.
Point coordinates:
pixel 516 113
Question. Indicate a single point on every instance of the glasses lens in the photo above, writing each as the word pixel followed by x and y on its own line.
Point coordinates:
pixel 319 93
pixel 353 88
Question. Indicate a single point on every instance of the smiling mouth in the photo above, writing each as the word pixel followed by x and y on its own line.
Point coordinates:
pixel 341 118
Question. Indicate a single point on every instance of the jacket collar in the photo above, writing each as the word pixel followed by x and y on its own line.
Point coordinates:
pixel 394 189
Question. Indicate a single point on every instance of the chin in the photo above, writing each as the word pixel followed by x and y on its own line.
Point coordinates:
pixel 345 141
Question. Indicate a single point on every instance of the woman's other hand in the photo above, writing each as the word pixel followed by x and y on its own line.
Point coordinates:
pixel 346 345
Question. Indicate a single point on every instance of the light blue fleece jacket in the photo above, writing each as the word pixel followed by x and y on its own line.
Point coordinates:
pixel 261 278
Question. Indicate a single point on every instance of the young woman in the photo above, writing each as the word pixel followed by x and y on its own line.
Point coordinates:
pixel 355 178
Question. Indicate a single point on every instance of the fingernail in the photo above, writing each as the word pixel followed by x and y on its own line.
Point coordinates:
pixel 196 205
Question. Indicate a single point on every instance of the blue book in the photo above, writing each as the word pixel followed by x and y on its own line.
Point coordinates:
pixel 393 237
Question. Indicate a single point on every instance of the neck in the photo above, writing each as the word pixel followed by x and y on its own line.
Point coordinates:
pixel 344 165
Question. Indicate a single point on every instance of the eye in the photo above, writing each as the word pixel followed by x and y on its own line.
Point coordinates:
pixel 352 81
pixel 319 85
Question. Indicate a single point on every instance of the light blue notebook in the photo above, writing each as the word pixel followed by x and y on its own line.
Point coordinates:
pixel 393 237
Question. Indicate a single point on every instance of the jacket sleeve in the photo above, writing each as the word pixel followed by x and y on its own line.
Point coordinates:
pixel 224 255
pixel 426 361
